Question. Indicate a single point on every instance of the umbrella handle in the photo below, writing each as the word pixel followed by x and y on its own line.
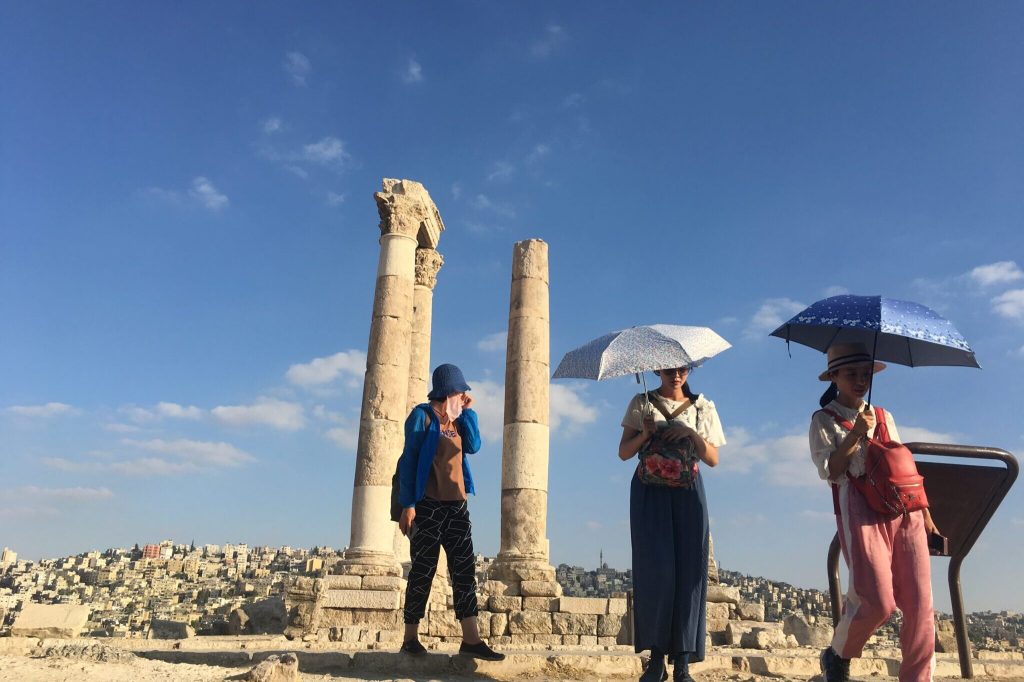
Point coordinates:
pixel 640 378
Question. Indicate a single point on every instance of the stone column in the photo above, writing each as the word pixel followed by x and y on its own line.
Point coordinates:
pixel 524 457
pixel 428 264
pixel 408 218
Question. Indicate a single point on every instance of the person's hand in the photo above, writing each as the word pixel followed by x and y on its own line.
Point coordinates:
pixel 406 519
pixel 865 422
pixel 467 400
pixel 677 432
pixel 648 428
pixel 929 525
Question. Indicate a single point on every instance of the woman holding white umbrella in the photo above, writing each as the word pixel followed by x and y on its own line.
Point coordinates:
pixel 673 430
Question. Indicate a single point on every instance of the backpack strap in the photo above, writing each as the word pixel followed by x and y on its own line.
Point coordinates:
pixel 655 399
pixel 845 423
pixel 881 427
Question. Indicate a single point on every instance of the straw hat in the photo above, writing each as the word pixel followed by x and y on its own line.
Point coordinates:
pixel 846 354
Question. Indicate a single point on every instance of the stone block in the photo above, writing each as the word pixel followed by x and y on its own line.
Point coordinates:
pixel 548 639
pixel 616 606
pixel 390 636
pixel 734 633
pixel 160 628
pixel 570 640
pixel 499 624
pixel 574 624
pixel 540 588
pixel 610 625
pixel 504 604
pixel 345 568
pixel 60 621
pixel 530 622
pixel 586 605
pixel 750 611
pixel 521 639
pixel 443 624
pixel 483 623
pixel 723 594
pixel 717 624
pixel 383 582
pixel 500 588
pixel 807 634
pixel 945 636
pixel 764 639
pixel 361 599
pixel 342 582
pixel 540 604
pixel 514 572
pixel 588 640
pixel 718 611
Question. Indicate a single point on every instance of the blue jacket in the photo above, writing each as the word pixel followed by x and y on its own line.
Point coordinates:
pixel 421 446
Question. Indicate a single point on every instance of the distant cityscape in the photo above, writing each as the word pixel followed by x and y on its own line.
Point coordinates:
pixel 127 589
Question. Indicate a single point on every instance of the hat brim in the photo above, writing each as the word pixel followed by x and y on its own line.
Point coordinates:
pixel 879 366
pixel 461 388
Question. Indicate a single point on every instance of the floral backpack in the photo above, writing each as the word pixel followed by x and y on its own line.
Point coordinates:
pixel 663 462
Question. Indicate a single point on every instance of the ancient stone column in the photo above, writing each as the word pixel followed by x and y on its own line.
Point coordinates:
pixel 524 458
pixel 428 264
pixel 408 218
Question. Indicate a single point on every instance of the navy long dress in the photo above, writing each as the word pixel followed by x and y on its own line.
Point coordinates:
pixel 669 530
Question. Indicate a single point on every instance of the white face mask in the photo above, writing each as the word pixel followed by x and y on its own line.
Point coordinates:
pixel 453 406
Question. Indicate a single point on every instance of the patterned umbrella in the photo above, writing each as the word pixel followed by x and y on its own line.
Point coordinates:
pixel 641 349
pixel 902 332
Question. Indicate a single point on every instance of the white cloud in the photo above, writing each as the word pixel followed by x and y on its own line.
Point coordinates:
pixel 152 466
pixel 1002 272
pixel 272 125
pixel 335 199
pixel 553 37
pixel 296 171
pixel 783 461
pixel 120 428
pixel 350 363
pixel 176 411
pixel 413 72
pixel 199 453
pixel 298 67
pixel 537 153
pixel 77 494
pixel 493 342
pixel 489 404
pixel 47 410
pixel 501 171
pixel 456 191
pixel 272 412
pixel 569 408
pixel 1010 304
pixel 345 437
pixel 329 150
pixel 835 290
pixel 25 512
pixel 573 99
pixel 162 410
pixel 772 313
pixel 483 203
pixel 206 194
pixel 916 434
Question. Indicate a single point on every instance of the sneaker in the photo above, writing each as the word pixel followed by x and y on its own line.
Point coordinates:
pixel 481 650
pixel 413 648
pixel 833 667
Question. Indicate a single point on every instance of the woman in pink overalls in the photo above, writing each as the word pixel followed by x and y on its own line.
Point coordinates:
pixel 887 557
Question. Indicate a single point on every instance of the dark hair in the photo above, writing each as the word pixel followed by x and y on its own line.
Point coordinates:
pixel 690 395
pixel 829 395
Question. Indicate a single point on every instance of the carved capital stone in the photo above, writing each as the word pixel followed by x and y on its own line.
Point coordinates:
pixel 405 208
pixel 428 263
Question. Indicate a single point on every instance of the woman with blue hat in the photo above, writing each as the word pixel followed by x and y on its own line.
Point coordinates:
pixel 434 481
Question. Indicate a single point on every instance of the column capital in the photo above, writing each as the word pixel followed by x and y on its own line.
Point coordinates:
pixel 405 208
pixel 428 263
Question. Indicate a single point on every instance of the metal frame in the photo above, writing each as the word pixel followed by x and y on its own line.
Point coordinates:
pixel 959 550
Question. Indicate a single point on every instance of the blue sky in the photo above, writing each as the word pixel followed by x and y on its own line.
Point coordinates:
pixel 187 226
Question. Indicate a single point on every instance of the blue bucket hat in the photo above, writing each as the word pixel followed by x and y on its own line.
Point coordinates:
pixel 447 379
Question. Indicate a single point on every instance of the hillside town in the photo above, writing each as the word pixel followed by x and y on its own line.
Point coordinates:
pixel 200 586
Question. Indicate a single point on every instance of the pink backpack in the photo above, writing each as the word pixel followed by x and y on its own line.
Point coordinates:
pixel 890 484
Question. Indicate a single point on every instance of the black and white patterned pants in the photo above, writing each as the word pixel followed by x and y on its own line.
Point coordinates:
pixel 441 524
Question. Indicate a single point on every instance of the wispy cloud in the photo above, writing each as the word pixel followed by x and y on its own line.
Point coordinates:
pixel 493 342
pixel 349 364
pixel 501 171
pixel 572 100
pixel 48 410
pixel 569 408
pixel 297 171
pixel 200 453
pixel 456 191
pixel 27 512
pixel 413 72
pixel 272 125
pixel 175 457
pixel 917 434
pixel 278 414
pixel 552 38
pixel 77 494
pixel 482 202
pixel 335 199
pixel 298 67
pixel 1002 272
pixel 539 152
pixel 162 410
pixel 208 196
pixel 783 461
pixel 328 151
pixel 772 313
pixel 835 290
pixel 1010 304
pixel 116 427
pixel 345 437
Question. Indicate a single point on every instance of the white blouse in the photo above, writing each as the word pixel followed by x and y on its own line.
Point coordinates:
pixel 826 435
pixel 709 428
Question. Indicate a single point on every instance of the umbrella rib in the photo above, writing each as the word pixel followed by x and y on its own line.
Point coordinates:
pixel 910 351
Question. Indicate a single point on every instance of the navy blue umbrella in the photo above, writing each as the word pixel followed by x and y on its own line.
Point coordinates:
pixel 902 332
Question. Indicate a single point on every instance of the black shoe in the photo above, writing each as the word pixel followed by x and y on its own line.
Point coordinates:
pixel 680 675
pixel 656 670
pixel 834 668
pixel 413 648
pixel 481 650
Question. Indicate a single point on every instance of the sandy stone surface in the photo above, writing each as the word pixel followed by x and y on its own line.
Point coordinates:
pixel 24 669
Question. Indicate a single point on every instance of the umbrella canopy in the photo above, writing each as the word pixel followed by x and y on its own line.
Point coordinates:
pixel 902 332
pixel 641 349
